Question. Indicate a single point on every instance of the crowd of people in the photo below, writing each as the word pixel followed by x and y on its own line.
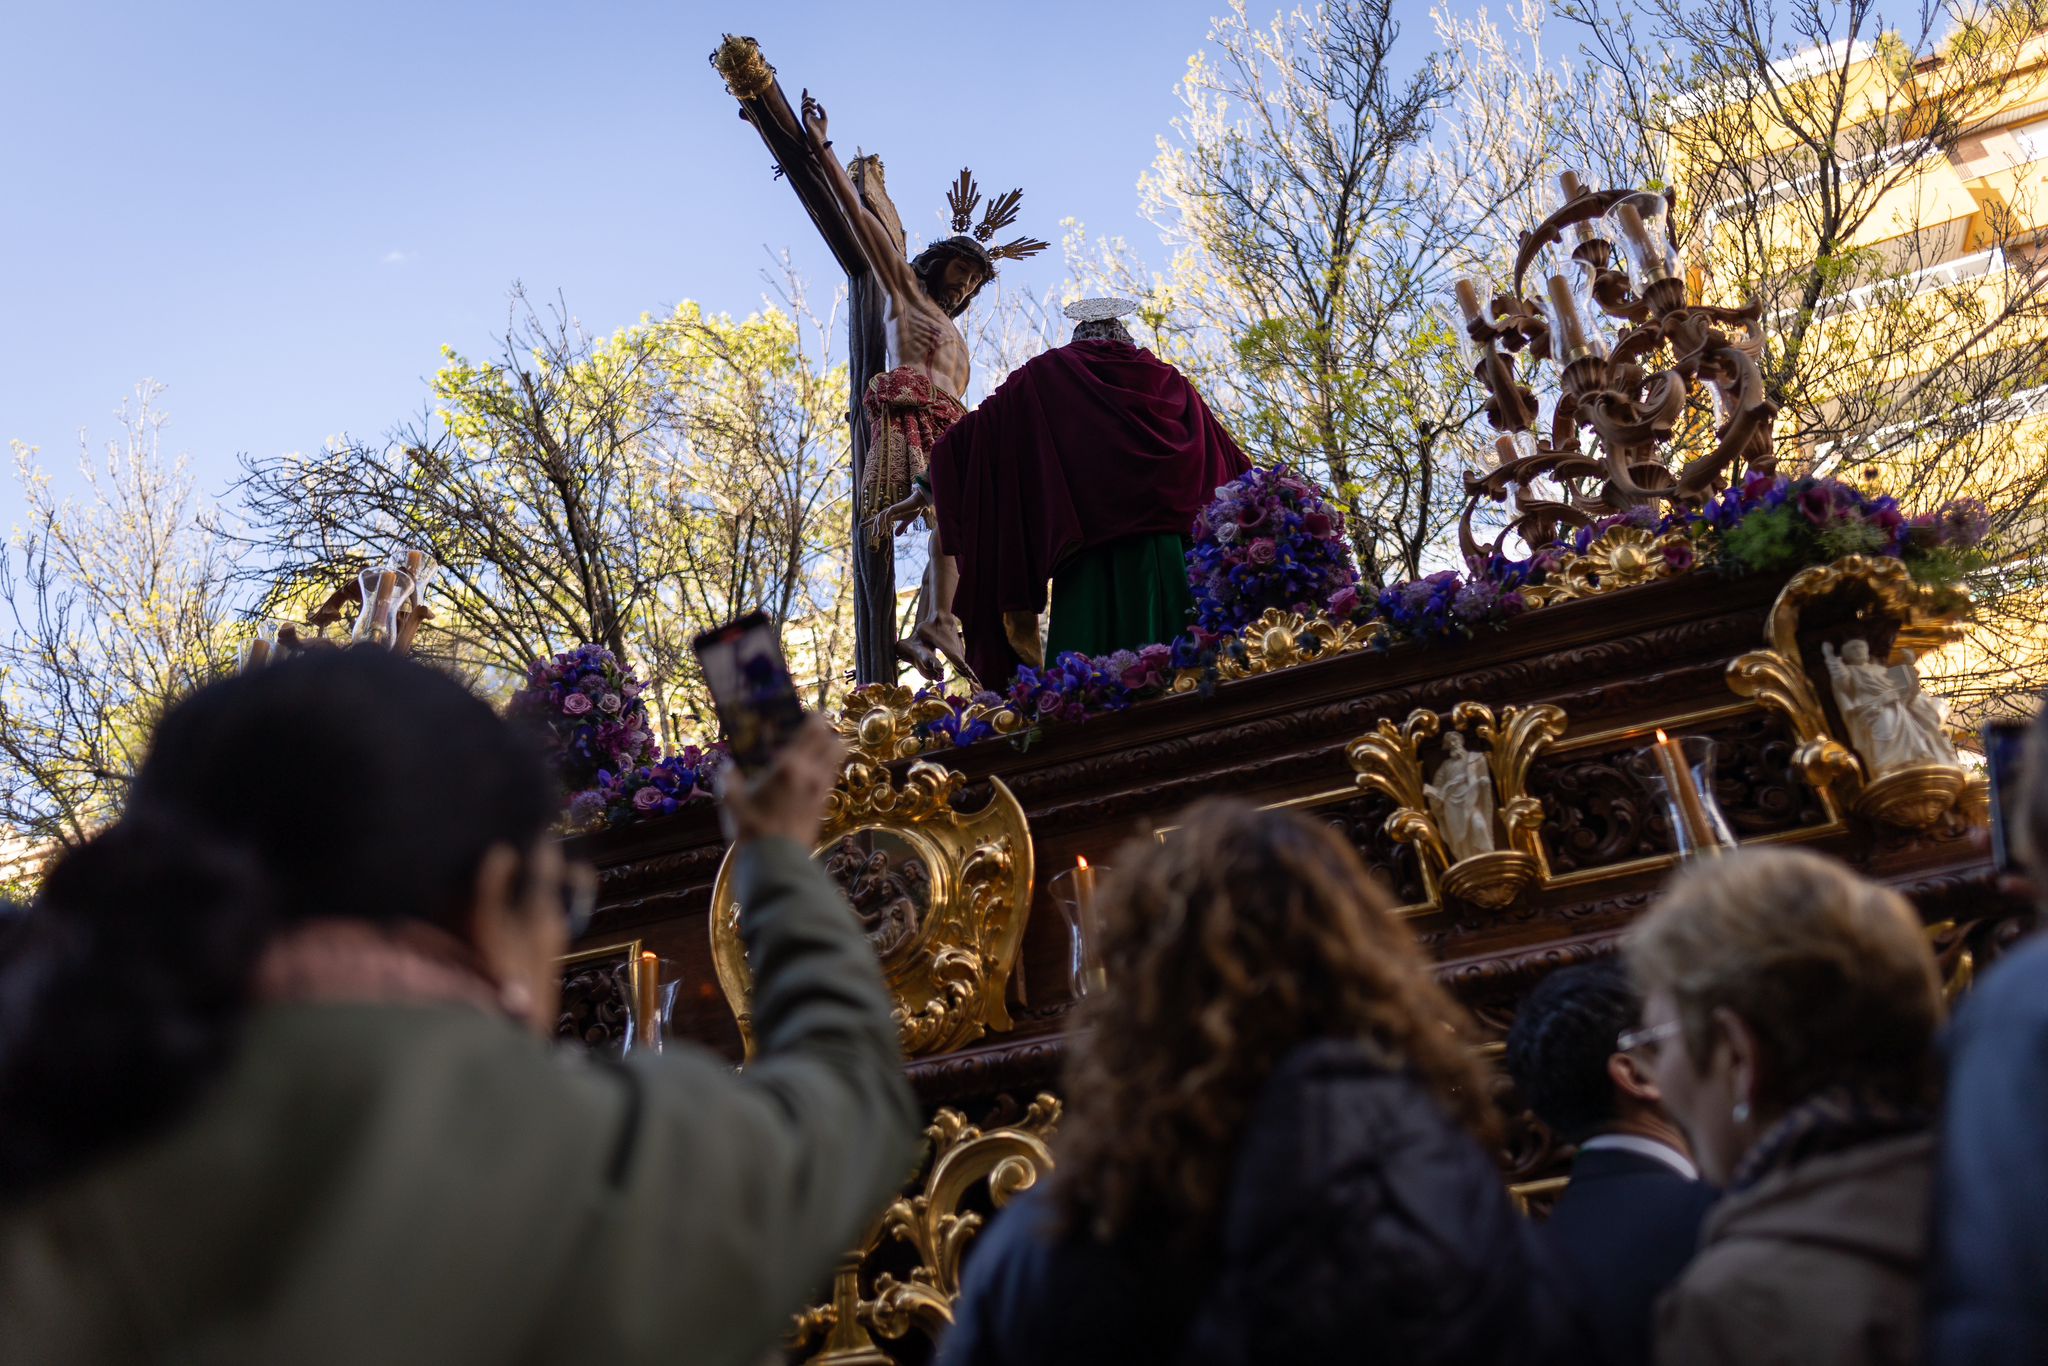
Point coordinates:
pixel 276 1085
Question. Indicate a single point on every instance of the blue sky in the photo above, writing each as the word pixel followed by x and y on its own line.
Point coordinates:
pixel 281 212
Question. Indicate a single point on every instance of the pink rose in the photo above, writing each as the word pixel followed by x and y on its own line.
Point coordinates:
pixel 1262 551
pixel 610 702
pixel 1344 601
pixel 576 704
pixel 646 799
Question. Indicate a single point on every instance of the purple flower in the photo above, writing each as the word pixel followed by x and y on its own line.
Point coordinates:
pixel 576 704
pixel 1262 551
pixel 610 703
pixel 1344 602
pixel 647 798
pixel 1678 556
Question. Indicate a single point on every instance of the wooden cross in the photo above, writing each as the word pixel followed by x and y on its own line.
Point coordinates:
pixel 752 82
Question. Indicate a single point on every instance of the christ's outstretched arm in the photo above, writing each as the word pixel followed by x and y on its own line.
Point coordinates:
pixel 882 257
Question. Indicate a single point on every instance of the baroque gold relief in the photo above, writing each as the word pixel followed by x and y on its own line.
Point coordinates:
pixel 1474 826
pixel 1911 795
pixel 1623 557
pixel 942 896
pixel 937 1225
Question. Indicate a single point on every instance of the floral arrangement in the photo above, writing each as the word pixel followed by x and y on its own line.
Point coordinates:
pixel 1446 606
pixel 1269 540
pixel 1776 524
pixel 644 791
pixel 588 709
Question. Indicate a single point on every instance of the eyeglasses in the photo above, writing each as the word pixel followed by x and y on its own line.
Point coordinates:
pixel 1632 1039
pixel 579 897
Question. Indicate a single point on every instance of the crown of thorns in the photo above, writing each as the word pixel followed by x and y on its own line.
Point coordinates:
pixel 1001 212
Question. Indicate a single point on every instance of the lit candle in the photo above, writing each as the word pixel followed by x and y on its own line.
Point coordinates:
pixel 1090 957
pixel 647 1021
pixel 1084 885
pixel 1685 797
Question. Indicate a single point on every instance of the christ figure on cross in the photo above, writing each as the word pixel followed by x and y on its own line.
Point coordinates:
pixel 909 406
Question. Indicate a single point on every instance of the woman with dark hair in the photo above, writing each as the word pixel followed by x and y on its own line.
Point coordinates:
pixel 1274 1148
pixel 275 1084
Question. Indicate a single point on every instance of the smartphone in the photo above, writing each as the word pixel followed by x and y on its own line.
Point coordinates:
pixel 2005 740
pixel 757 701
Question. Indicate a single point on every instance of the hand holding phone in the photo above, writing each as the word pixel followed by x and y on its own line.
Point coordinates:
pixel 750 684
pixel 787 799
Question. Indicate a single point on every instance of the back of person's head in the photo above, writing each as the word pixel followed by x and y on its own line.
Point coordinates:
pixel 345 784
pixel 1830 972
pixel 1240 936
pixel 1561 1044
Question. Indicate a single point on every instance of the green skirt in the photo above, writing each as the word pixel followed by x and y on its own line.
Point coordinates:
pixel 1120 596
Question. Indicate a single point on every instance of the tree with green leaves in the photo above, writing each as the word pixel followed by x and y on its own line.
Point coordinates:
pixel 626 491
pixel 119 603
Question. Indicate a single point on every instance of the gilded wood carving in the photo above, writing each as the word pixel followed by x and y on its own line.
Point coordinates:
pixel 1500 851
pixel 966 1169
pixel 1914 796
pixel 942 896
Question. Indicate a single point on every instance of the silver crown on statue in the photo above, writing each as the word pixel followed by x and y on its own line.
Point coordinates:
pixel 1099 310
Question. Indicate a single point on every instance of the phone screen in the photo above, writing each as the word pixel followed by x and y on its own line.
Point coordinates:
pixel 750 685
pixel 2004 742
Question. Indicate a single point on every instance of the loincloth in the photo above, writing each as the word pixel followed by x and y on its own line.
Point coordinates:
pixel 906 415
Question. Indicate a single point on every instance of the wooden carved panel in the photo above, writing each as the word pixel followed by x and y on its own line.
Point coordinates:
pixel 597 997
pixel 1604 807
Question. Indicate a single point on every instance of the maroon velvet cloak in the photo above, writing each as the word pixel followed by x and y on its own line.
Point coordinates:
pixel 1089 443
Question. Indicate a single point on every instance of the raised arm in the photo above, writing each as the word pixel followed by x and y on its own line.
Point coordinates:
pixel 874 239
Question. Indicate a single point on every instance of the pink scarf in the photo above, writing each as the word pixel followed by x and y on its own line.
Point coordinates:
pixel 330 961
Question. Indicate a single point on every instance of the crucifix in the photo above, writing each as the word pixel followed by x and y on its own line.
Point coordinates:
pixel 900 314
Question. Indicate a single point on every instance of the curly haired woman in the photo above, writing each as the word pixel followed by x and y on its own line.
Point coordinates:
pixel 1275 1147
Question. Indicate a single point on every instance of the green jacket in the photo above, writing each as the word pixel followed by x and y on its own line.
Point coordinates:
pixel 396 1184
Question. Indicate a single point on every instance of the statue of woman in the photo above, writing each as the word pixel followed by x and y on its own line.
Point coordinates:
pixel 1891 721
pixel 1461 798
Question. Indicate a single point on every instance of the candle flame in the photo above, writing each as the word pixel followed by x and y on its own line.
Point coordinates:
pixel 1080 861
pixel 1662 738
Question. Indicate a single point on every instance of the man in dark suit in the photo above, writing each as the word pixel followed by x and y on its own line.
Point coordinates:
pixel 1630 1219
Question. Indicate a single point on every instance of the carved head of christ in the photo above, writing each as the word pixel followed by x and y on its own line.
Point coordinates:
pixel 953 271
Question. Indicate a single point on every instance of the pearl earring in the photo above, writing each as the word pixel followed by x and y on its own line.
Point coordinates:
pixel 1741 1112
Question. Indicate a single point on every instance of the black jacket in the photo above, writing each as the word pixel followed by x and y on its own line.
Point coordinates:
pixel 1622 1231
pixel 1362 1224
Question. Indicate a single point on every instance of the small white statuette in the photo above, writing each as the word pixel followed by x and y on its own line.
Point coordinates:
pixel 1461 798
pixel 1892 723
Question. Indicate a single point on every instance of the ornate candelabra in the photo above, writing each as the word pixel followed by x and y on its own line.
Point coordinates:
pixel 1618 269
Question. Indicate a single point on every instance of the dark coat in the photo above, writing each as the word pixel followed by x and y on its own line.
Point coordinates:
pixel 430 1184
pixel 1988 1291
pixel 1362 1224
pixel 1624 1228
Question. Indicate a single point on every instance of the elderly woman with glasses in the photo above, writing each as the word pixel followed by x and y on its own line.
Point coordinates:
pixel 1789 1018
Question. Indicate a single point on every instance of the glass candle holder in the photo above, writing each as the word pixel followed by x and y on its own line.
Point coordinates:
pixel 1574 320
pixel 1641 225
pixel 1684 767
pixel 652 1002
pixel 385 589
pixel 1073 891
